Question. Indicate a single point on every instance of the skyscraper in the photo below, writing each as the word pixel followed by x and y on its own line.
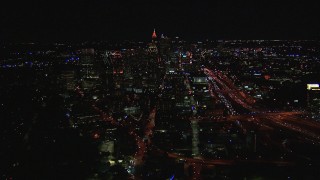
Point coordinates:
pixel 152 46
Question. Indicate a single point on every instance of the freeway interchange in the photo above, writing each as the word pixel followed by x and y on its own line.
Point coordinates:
pixel 291 129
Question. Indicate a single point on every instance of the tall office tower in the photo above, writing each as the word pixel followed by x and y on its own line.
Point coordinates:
pixel 313 100
pixel 153 45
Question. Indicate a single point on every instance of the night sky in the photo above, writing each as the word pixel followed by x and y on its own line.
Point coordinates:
pixel 94 20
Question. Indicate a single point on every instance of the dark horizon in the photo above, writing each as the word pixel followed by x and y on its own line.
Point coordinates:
pixel 100 20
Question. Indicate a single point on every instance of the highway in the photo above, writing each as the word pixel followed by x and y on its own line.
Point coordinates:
pixel 220 86
pixel 237 96
pixel 288 120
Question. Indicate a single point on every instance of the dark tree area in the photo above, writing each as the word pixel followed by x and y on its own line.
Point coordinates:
pixel 37 142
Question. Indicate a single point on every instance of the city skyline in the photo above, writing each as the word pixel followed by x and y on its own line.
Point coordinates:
pixel 99 89
pixel 161 109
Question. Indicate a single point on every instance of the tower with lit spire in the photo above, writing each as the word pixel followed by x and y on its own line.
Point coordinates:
pixel 152 46
pixel 154 35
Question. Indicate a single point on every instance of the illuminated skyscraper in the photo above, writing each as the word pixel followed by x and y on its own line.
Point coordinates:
pixel 154 35
pixel 152 46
